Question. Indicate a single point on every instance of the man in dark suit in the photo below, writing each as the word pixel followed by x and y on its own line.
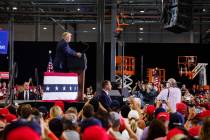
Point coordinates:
pixel 63 51
pixel 26 94
pixel 103 97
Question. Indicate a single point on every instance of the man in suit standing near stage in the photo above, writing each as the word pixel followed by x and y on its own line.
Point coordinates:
pixel 26 94
pixel 103 97
pixel 63 51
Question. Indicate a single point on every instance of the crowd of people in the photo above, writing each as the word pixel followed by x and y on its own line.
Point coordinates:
pixel 169 114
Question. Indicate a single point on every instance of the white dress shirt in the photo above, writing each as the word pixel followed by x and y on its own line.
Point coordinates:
pixel 174 96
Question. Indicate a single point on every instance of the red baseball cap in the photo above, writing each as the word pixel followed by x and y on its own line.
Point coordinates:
pixel 150 109
pixel 164 115
pixel 23 133
pixel 181 107
pixel 174 132
pixel 95 133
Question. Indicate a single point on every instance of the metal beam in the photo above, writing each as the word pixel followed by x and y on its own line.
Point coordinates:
pixel 113 42
pixel 100 44
pixel 11 60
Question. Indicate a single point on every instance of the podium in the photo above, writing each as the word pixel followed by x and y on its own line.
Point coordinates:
pixel 60 86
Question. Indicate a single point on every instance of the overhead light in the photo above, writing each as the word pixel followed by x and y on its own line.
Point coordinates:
pixel 141 28
pixel 140 39
pixel 142 11
pixel 78 9
pixel 14 8
pixel 94 28
pixel 44 28
pixel 85 31
pixel 204 10
pixel 141 32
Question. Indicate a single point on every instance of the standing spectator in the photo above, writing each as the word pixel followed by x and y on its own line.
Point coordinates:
pixel 4 89
pixel 171 94
pixel 26 94
pixel 133 118
pixel 149 95
pixel 104 97
pixel 156 130
pixel 88 118
pixel 205 130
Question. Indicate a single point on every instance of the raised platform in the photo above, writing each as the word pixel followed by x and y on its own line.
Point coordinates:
pixel 48 104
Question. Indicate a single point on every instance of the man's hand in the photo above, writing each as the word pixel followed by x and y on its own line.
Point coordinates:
pixel 79 55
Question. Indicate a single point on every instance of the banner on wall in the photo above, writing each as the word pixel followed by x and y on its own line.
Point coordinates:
pixel 4 36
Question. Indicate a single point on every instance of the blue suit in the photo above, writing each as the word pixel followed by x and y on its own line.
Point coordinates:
pixel 62 52
pixel 105 100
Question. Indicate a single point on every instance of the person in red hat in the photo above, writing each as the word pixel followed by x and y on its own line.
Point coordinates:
pixel 175 134
pixel 95 133
pixel 6 116
pixel 22 133
pixel 205 130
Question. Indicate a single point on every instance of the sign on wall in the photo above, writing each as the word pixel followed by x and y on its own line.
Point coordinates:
pixel 3 41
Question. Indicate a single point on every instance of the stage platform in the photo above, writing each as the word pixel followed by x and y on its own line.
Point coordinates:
pixel 37 103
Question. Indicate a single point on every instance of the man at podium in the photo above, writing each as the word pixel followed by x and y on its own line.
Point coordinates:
pixel 68 60
pixel 63 51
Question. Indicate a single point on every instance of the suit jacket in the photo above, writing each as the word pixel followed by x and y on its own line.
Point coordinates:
pixel 62 52
pixel 105 100
pixel 32 96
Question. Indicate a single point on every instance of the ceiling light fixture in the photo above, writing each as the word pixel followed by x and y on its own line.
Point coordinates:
pixel 204 10
pixel 78 9
pixel 14 8
pixel 44 28
pixel 141 28
pixel 94 28
pixel 140 39
pixel 142 11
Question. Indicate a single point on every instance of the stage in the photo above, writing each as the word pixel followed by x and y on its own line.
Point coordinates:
pixel 37 103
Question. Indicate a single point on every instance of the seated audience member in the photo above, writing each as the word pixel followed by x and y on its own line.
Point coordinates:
pixel 26 94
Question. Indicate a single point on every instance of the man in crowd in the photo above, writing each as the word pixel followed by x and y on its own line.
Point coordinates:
pixel 63 51
pixel 171 94
pixel 26 94
pixel 103 97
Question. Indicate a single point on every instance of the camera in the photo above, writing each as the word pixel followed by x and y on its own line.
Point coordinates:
pixel 163 101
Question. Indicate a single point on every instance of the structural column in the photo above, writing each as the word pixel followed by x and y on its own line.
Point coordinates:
pixel 113 41
pixel 11 59
pixel 100 44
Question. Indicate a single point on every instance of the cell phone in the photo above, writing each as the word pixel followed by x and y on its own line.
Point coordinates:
pixel 163 101
pixel 198 110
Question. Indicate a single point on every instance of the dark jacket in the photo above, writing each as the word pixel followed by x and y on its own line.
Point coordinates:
pixel 62 52
pixel 105 100
pixel 32 96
